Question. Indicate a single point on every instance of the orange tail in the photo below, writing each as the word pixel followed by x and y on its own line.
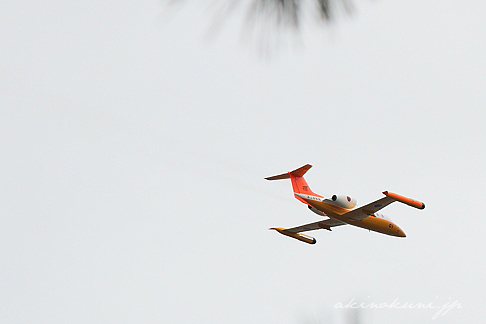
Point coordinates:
pixel 298 182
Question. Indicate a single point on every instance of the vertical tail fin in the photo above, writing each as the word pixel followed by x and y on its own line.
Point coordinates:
pixel 298 182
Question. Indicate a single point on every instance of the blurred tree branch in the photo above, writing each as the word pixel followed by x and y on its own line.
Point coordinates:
pixel 267 19
pixel 287 13
pixel 291 12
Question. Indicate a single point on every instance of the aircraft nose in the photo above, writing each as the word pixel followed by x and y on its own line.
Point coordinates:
pixel 401 233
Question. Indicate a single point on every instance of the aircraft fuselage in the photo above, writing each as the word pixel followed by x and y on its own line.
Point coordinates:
pixel 371 222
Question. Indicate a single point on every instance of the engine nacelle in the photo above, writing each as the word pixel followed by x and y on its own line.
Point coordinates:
pixel 344 201
pixel 317 211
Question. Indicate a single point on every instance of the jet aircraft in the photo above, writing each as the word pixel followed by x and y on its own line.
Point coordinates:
pixel 339 210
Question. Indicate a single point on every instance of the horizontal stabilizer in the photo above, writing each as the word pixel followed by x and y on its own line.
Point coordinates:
pixel 279 177
pixel 296 173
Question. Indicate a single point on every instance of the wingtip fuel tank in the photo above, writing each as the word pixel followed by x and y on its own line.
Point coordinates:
pixel 405 200
pixel 298 236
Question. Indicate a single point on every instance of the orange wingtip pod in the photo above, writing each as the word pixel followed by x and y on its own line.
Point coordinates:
pixel 405 200
pixel 298 236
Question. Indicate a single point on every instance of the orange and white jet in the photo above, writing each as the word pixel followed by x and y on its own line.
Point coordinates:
pixel 339 209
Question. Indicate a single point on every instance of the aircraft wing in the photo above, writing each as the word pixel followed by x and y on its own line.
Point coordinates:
pixel 325 224
pixel 295 231
pixel 369 209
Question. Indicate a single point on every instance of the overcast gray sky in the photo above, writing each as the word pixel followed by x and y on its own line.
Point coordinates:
pixel 134 152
